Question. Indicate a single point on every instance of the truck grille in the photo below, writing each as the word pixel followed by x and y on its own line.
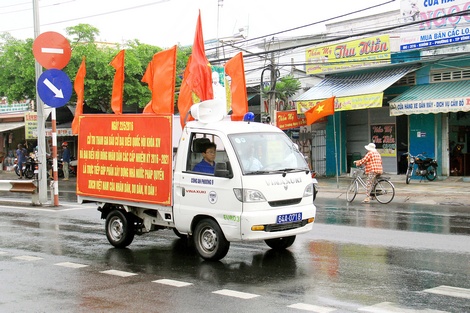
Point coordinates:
pixel 285 202
pixel 287 226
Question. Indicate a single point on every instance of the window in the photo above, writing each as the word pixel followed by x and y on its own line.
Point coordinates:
pixel 450 75
pixel 198 145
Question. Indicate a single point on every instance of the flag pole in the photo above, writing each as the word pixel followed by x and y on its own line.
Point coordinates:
pixel 336 152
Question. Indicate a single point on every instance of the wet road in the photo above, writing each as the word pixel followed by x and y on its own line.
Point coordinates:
pixel 358 258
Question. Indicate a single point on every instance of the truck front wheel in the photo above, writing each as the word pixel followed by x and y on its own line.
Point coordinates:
pixel 210 241
pixel 119 229
pixel 280 243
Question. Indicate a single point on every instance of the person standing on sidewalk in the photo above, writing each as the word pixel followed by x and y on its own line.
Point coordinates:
pixel 65 160
pixel 21 153
pixel 373 167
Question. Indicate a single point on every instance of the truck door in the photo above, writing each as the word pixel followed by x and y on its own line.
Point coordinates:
pixel 199 192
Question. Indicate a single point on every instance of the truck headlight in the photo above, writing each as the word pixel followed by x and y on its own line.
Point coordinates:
pixel 248 195
pixel 309 190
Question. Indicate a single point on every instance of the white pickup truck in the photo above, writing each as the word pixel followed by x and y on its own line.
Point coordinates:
pixel 127 165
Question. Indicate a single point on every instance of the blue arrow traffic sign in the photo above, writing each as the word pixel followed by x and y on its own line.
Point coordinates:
pixel 54 88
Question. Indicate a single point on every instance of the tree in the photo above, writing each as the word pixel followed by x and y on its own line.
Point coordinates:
pixel 82 33
pixel 285 88
pixel 17 69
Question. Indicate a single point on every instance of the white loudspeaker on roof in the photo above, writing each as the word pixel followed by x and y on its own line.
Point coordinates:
pixel 208 111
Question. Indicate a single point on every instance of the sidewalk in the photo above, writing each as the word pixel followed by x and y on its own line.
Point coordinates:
pixel 453 190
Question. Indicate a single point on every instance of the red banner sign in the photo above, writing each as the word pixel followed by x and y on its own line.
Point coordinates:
pixel 126 157
pixel 289 119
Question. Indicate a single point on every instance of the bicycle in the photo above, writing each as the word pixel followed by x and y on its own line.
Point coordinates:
pixel 383 190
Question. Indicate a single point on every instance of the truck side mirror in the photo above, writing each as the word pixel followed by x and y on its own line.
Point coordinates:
pixel 223 170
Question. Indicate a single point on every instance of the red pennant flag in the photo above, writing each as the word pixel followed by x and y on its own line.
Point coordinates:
pixel 118 84
pixel 200 73
pixel 235 68
pixel 161 76
pixel 79 87
pixel 185 97
pixel 321 109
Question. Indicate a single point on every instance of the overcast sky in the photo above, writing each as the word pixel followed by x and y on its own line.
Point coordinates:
pixel 165 23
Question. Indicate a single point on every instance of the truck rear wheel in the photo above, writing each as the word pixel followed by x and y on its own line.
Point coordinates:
pixel 119 229
pixel 280 243
pixel 210 241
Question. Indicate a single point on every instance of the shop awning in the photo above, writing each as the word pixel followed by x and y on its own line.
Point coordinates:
pixel 352 92
pixel 10 126
pixel 433 98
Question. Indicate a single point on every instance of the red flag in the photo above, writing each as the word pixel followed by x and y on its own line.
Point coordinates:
pixel 200 73
pixel 161 76
pixel 185 97
pixel 118 84
pixel 79 87
pixel 235 68
pixel 321 109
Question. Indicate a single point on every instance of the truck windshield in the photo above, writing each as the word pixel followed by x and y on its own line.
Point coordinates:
pixel 266 153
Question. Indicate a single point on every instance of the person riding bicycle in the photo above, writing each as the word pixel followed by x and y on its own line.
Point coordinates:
pixel 373 167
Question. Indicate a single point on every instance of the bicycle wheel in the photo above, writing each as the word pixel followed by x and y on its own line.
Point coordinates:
pixel 352 191
pixel 384 191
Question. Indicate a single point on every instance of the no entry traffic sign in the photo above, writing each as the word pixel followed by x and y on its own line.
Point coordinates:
pixel 54 88
pixel 52 50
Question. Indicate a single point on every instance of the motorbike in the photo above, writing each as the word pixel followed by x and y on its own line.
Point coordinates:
pixel 29 167
pixel 422 166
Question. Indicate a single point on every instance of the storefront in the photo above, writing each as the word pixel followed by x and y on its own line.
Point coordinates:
pixel 439 119
pixel 361 116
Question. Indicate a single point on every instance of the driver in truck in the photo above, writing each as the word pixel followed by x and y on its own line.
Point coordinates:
pixel 207 164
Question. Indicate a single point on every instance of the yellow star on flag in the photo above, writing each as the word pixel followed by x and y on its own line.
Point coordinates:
pixel 319 108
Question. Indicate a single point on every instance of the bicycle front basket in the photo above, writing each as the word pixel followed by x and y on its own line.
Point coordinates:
pixel 355 172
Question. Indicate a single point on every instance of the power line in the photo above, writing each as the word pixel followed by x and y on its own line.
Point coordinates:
pixel 312 24
pixel 383 30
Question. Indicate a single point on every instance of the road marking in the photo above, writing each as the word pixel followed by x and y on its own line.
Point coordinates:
pixel 450 291
pixel 71 265
pixel 171 282
pixel 27 258
pixel 236 294
pixel 389 307
pixel 311 308
pixel 3 252
pixel 118 273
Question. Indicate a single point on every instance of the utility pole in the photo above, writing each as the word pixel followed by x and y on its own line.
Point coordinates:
pixel 272 90
pixel 274 75
pixel 42 177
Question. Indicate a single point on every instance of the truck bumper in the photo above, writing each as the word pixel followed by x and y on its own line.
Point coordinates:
pixel 263 225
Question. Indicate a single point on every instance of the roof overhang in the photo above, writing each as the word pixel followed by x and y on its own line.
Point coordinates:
pixel 433 98
pixel 10 126
pixel 357 91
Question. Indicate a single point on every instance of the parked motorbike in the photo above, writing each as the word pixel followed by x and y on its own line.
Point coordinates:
pixel 422 166
pixel 28 167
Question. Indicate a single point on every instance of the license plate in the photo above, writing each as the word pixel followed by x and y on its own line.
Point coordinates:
pixel 288 218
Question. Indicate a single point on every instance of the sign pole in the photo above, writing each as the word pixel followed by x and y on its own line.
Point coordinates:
pixel 55 173
pixel 42 177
